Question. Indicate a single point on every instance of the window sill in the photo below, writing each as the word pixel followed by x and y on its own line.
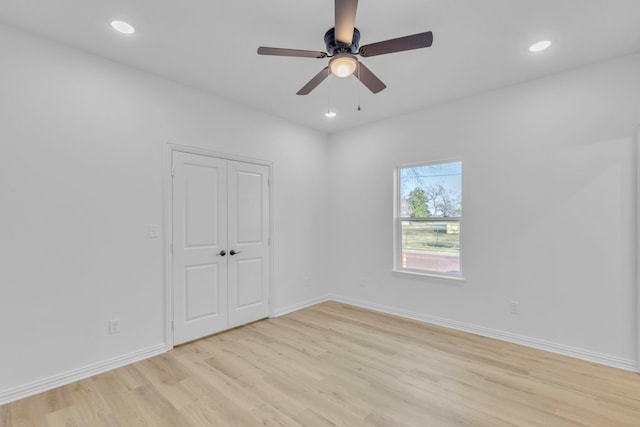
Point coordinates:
pixel 427 274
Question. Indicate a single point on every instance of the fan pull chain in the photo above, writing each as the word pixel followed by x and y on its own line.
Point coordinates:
pixel 328 93
pixel 359 109
pixel 329 113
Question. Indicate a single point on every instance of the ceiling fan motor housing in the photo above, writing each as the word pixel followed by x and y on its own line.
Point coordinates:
pixel 334 47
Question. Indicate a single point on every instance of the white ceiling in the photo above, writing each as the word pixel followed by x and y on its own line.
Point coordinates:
pixel 211 45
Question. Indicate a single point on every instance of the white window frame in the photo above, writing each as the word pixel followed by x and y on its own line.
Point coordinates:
pixel 397 226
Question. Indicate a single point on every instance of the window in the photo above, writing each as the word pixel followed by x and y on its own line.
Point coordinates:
pixel 428 217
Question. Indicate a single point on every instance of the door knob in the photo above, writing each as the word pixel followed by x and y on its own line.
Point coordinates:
pixel 223 253
pixel 232 252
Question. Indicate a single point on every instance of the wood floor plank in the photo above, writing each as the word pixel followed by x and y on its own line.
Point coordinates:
pixel 5 416
pixel 338 365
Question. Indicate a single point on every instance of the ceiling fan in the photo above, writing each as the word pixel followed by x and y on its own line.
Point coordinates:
pixel 342 43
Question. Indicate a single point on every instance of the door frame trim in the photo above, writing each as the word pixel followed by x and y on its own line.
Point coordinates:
pixel 168 226
pixel 636 147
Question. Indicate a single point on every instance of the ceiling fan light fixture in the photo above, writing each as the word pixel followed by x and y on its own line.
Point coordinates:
pixel 343 65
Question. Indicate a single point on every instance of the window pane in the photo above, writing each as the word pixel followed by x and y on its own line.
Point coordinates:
pixel 431 190
pixel 429 202
pixel 431 245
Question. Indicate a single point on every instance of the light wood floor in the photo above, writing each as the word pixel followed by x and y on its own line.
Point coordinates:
pixel 334 364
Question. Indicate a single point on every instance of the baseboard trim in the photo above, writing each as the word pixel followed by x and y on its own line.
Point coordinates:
pixel 578 353
pixel 55 381
pixel 300 305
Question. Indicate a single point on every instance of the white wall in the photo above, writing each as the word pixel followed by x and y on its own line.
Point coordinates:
pixel 548 200
pixel 549 211
pixel 82 144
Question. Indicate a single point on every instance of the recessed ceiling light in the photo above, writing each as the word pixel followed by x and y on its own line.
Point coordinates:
pixel 123 27
pixel 539 46
pixel 330 114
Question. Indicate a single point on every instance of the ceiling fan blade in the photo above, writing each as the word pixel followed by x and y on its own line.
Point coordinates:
pixel 400 44
pixel 369 79
pixel 290 52
pixel 314 82
pixel 345 20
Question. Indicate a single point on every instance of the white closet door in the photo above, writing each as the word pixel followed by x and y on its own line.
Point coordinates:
pixel 199 246
pixel 248 232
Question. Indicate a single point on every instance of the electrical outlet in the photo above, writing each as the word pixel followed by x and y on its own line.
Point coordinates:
pixel 114 326
pixel 307 282
pixel 514 307
pixel 363 283
pixel 154 231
